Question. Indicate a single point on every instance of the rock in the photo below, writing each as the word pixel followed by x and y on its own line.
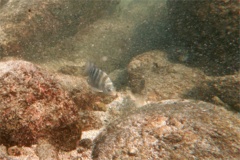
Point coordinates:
pixel 34 105
pixel 15 151
pixel 227 88
pixel 91 120
pixel 153 76
pixel 90 100
pixel 34 25
pixel 223 90
pixel 173 129
pixel 46 151
pixel 18 153
pixel 84 145
pixel 3 151
pixel 210 31
pixel 119 78
pixel 82 93
pixel 73 84
pixel 70 70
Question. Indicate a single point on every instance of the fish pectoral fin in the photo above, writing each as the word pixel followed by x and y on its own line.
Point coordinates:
pixel 96 90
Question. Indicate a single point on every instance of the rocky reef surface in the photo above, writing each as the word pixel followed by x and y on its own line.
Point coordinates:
pixel 34 106
pixel 171 130
pixel 153 76
pixel 148 48
pixel 43 112
pixel 209 30
pixel 224 90
pixel 43 118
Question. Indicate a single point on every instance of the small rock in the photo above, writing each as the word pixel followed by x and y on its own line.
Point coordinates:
pixel 85 143
pixel 3 151
pixel 46 151
pixel 14 151
pixel 90 120
pixel 132 151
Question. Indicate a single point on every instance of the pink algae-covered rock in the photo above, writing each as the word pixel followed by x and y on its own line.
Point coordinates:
pixel 33 105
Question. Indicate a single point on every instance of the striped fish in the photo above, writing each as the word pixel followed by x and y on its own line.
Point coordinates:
pixel 99 80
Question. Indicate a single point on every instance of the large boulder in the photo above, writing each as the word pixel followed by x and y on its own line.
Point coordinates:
pixel 152 75
pixel 33 105
pixel 210 32
pixel 173 129
pixel 33 25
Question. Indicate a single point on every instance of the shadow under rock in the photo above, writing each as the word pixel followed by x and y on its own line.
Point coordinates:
pixel 206 92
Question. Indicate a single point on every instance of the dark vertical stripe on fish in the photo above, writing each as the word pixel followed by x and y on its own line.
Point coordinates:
pixel 95 73
pixel 102 81
pixel 100 74
pixel 94 76
pixel 92 70
pixel 91 73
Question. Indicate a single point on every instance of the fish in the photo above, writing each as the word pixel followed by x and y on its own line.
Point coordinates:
pixel 99 80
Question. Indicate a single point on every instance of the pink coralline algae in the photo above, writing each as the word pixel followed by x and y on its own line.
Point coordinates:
pixel 33 105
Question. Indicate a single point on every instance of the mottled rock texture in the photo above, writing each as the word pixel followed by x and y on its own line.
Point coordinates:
pixel 33 105
pixel 32 25
pixel 210 30
pixel 82 93
pixel 44 150
pixel 92 106
pixel 18 153
pixel 152 75
pixel 171 130
pixel 225 90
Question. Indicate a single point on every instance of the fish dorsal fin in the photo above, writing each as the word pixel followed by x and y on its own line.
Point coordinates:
pixel 88 67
